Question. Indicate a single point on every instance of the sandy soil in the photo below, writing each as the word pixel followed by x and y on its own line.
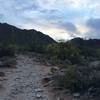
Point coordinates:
pixel 24 81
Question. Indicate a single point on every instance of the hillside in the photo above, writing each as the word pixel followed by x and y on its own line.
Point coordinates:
pixel 74 66
pixel 11 34
pixel 82 42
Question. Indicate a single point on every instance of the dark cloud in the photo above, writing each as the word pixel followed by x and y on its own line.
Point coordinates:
pixel 69 26
pixel 94 23
pixel 92 34
pixel 94 28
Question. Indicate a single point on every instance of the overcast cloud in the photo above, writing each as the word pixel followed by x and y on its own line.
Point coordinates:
pixel 57 18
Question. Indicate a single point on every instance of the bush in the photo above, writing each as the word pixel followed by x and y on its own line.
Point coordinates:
pixel 52 50
pixel 63 51
pixel 78 78
pixel 6 51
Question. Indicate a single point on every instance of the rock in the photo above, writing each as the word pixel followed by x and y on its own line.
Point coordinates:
pixel 95 64
pixel 67 62
pixel 1 63
pixel 61 72
pixel 50 83
pixel 65 91
pixel 76 95
pixel 7 62
pixel 38 90
pixel 93 91
pixel 46 80
pixel 38 96
pixel 58 98
pixel 57 88
pixel 3 78
pixel 54 69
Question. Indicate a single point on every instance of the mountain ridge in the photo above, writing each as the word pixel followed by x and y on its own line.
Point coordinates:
pixel 10 33
pixel 89 42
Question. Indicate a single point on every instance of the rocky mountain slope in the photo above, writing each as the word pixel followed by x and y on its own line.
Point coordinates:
pixel 12 34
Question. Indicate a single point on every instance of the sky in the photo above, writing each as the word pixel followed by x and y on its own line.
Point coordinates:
pixel 60 19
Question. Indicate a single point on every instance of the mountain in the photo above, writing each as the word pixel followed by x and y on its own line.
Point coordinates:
pixel 88 43
pixel 12 34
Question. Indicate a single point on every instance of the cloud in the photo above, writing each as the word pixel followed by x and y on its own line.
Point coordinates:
pixel 94 24
pixel 60 15
pixel 68 26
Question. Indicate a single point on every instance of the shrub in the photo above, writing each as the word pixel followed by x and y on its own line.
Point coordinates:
pixel 63 51
pixel 78 78
pixel 6 51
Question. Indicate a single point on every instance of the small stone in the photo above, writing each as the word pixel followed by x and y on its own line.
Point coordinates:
pixel 38 96
pixel 76 95
pixel 38 90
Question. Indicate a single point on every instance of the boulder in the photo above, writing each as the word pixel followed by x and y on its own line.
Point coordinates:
pixel 95 65
pixel 76 95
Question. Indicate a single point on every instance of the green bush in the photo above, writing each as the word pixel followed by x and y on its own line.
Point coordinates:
pixel 63 51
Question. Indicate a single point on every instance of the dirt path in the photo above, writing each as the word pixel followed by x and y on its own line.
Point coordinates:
pixel 24 82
